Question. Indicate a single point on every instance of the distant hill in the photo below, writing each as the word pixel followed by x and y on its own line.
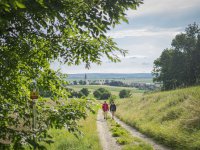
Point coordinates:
pixel 110 75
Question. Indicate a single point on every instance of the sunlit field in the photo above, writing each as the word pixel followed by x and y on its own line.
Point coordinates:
pixel 113 89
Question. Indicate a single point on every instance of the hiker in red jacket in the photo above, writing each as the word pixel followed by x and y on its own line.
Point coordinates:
pixel 105 109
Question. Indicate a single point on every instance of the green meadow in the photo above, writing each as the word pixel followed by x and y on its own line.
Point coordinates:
pixel 113 89
pixel 170 117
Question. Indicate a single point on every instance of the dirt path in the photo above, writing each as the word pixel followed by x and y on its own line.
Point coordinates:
pixel 106 139
pixel 135 133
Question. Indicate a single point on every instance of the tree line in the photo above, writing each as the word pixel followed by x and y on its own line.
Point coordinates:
pixel 179 66
pixel 100 93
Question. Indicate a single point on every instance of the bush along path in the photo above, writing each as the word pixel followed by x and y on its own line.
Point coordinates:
pixel 114 137
pixel 141 136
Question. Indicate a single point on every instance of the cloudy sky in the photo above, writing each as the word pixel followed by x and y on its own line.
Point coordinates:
pixel 151 29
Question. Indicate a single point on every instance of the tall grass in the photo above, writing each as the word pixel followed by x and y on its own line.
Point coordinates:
pixel 171 117
pixel 67 141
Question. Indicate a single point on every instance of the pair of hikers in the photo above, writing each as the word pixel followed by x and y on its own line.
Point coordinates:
pixel 105 109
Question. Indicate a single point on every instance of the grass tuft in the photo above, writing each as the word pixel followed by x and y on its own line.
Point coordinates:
pixel 125 139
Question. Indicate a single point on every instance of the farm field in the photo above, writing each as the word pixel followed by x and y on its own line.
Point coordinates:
pixel 113 89
pixel 170 117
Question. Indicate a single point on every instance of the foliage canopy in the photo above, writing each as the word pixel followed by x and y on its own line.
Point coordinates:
pixel 102 94
pixel 125 93
pixel 85 91
pixel 33 33
pixel 179 66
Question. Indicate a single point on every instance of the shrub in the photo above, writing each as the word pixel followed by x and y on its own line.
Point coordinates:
pixel 85 91
pixel 97 94
pixel 105 95
pixel 125 93
pixel 75 82
pixel 81 82
pixel 101 94
pixel 75 94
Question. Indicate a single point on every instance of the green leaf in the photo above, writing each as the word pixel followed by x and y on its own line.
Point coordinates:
pixel 20 5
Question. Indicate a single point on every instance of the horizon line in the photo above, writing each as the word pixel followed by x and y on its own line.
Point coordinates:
pixel 112 73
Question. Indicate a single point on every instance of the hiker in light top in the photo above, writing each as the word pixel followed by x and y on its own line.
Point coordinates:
pixel 112 109
pixel 105 109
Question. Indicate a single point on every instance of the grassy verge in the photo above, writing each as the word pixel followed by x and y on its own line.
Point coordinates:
pixel 125 139
pixel 67 141
pixel 171 117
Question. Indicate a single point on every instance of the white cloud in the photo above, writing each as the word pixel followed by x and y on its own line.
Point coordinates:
pixel 144 32
pixel 131 56
pixel 152 28
pixel 135 57
pixel 151 7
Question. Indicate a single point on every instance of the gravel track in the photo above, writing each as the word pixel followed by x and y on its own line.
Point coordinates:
pixel 136 133
pixel 107 141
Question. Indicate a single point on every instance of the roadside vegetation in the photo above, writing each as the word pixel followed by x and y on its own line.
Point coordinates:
pixel 87 140
pixel 170 117
pixel 125 139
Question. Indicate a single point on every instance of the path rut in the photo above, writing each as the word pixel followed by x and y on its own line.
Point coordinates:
pixel 136 133
pixel 106 139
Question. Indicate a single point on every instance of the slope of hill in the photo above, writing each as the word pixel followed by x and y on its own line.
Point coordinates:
pixel 171 117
